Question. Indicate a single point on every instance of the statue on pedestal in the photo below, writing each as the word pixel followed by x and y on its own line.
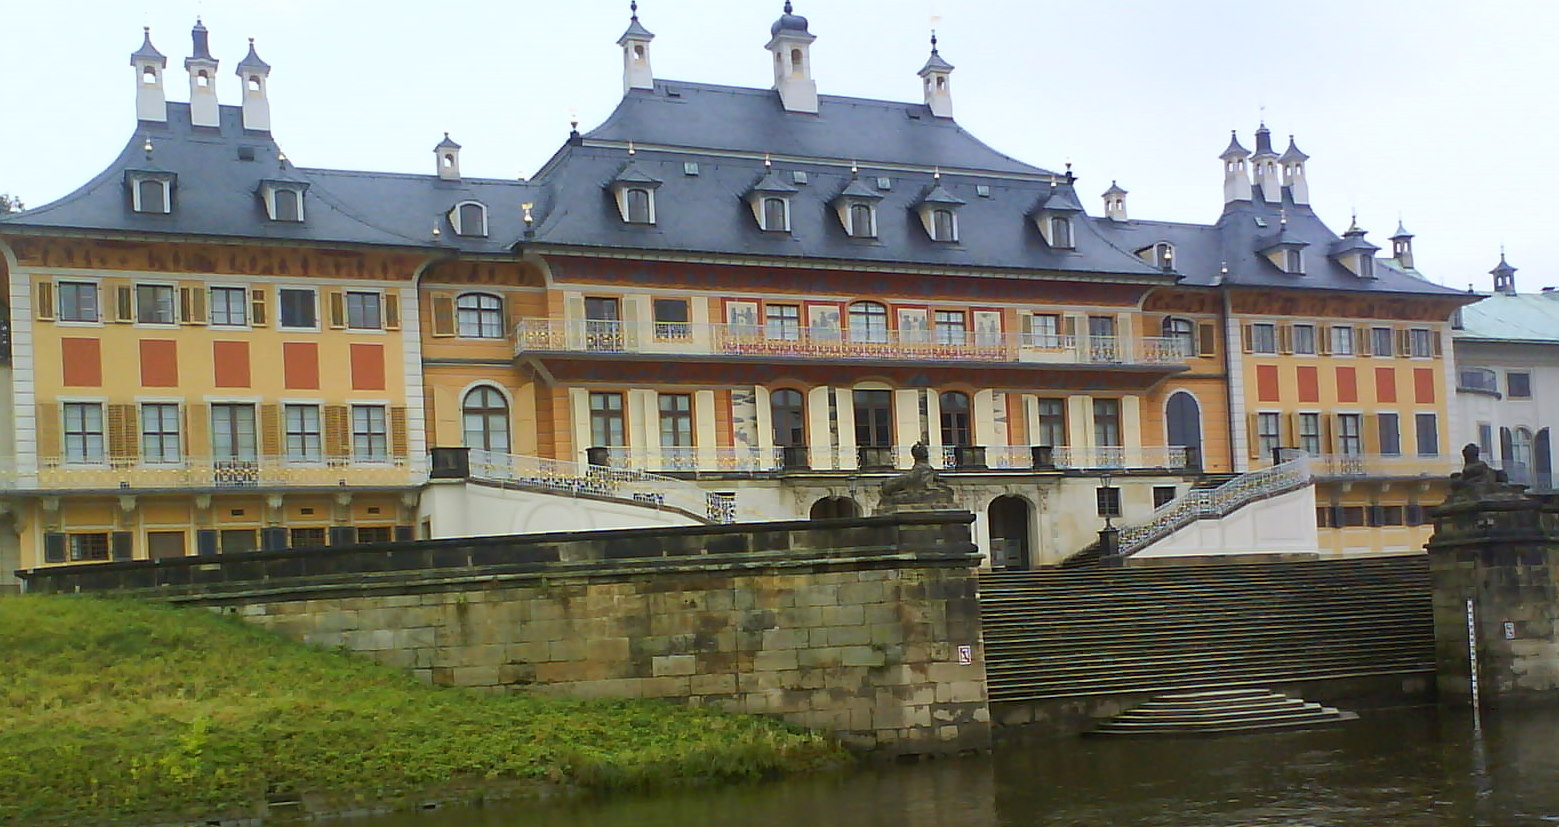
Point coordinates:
pixel 918 489
pixel 1478 481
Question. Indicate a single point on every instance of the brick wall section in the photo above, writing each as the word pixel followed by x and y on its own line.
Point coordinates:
pixel 849 626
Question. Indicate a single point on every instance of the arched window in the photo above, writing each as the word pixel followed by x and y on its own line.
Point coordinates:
pixel 1366 266
pixel 1521 449
pixel 202 80
pixel 795 63
pixel 955 418
pixel 1061 232
pixel 287 206
pixel 449 160
pixel 151 195
pixel 863 221
pixel 639 206
pixel 868 322
pixel 480 316
pixel 254 83
pixel 486 415
pixel 1164 255
pixel 1293 261
pixel 149 75
pixel 471 219
pixel 787 410
pixel 942 226
pixel 774 215
pixel 1183 333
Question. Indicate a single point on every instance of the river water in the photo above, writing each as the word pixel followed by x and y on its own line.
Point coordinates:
pixel 1403 767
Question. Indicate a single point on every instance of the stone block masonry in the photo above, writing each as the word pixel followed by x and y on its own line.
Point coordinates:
pixel 868 629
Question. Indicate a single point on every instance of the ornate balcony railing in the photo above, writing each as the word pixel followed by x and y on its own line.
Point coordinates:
pixel 1374 465
pixel 539 335
pixel 623 484
pixel 1106 457
pixel 120 473
pixel 689 459
pixel 1213 503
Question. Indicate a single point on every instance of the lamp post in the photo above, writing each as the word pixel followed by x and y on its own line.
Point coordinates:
pixel 1109 536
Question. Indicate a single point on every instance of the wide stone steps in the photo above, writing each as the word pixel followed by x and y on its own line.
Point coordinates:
pixel 1219 712
pixel 1061 633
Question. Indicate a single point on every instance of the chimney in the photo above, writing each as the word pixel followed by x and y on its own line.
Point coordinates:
pixel 1236 176
pixel 202 68
pixel 790 42
pixel 935 76
pixel 635 44
pixel 1115 202
pixel 151 101
pixel 253 73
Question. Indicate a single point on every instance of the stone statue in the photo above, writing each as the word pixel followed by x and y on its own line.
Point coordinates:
pixel 918 489
pixel 1478 481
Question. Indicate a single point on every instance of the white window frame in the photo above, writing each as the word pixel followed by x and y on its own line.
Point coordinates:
pixel 281 307
pixel 268 195
pixel 457 221
pixel 369 436
pixel 173 303
pixel 480 315
pixel 763 212
pixel 161 433
pixel 346 303
pixel 97 302
pixel 303 455
pixel 1255 339
pixel 244 298
pixel 165 208
pixel 1339 333
pixel 86 457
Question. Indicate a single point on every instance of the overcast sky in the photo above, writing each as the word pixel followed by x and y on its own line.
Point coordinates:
pixel 1440 111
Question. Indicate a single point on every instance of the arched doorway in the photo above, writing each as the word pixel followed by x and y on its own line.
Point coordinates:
pixel 1543 461
pixel 835 508
pixel 1009 523
pixel 1184 418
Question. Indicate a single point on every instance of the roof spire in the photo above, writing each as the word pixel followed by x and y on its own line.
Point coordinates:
pixel 633 10
pixel 933 41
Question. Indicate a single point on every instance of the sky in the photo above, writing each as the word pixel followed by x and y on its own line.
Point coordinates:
pixel 1434 111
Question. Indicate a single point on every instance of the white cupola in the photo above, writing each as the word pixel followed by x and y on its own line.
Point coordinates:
pixel 1504 276
pixel 202 68
pixel 1293 162
pixel 1236 171
pixel 448 154
pixel 636 53
pixel 1402 246
pixel 935 76
pixel 151 101
pixel 1269 178
pixel 790 43
pixel 253 73
pixel 1115 202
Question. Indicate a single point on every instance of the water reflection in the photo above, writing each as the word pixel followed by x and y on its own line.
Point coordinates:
pixel 1414 767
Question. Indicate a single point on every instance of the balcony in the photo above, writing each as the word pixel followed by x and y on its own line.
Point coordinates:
pixel 888 458
pixel 1375 465
pixel 1477 380
pixel 553 336
pixel 192 473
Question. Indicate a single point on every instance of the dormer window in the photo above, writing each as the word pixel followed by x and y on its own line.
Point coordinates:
pixel 641 206
pixel 862 222
pixel 776 214
pixel 769 199
pixel 151 192
pixel 283 200
pixel 634 191
pixel 1053 215
pixel 1366 266
pixel 1293 261
pixel 944 225
pixel 469 218
pixel 857 209
pixel 1061 233
pixel 1164 255
pixel 938 210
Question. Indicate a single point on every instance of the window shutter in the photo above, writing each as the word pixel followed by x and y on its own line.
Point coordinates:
pixel 443 315
pixel 270 430
pixel 197 430
pixel 1506 451
pixel 257 315
pixel 1361 341
pixel 392 310
pixel 343 535
pixel 398 441
pixel 1252 438
pixel 1027 322
pixel 338 432
pixel 124 303
pixel 1207 339
pixel 206 542
pixel 337 309
pixel 192 305
pixel 48 430
pixel 1404 342
pixel 1439 346
pixel 1371 426
pixel 1323 340
pixel 1069 326
pixel 45 308
pixel 123 545
pixel 1326 434
pixel 1248 335
pixel 273 538
pixel 123 434
pixel 1286 431
pixel 54 547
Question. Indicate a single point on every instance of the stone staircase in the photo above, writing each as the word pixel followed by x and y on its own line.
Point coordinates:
pixel 1062 633
pixel 1219 712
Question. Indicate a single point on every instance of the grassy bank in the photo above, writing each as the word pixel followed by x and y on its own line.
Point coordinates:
pixel 113 709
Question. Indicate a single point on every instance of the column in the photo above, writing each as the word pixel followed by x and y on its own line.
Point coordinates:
pixel 704 430
pixel 1079 430
pixel 763 416
pixel 579 412
pixel 1131 432
pixel 983 417
pixel 844 405
pixel 642 431
pixel 819 441
pixel 906 426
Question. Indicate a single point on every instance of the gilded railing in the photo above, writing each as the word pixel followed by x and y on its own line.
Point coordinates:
pixel 1198 504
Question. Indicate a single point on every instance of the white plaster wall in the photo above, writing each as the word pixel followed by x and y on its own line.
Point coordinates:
pixel 1284 524
pixel 465 510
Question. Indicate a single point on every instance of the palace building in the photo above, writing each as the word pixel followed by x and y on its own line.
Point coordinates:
pixel 720 304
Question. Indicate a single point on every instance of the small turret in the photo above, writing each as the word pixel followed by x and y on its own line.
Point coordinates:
pixel 1115 202
pixel 790 43
pixel 1265 163
pixel 448 154
pixel 1504 276
pixel 1236 175
pixel 151 101
pixel 1293 162
pixel 202 68
pixel 635 44
pixel 1402 247
pixel 253 73
pixel 935 76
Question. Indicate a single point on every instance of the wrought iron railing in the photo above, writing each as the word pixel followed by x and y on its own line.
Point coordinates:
pixel 1200 503
pixel 1106 457
pixel 119 473
pixel 621 484
pixel 1374 465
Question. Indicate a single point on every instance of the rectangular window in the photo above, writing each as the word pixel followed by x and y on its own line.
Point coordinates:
pixel 375 534
pixel 782 322
pixel 303 433
pixel 1392 515
pixel 229 306
pixel 1352 516
pixel 1486 439
pixel 1107 501
pixel 1342 341
pixel 676 420
pixel 239 540
pixel 370 437
pixel 1269 434
pixel 309 537
pixel 78 301
pixel 1264 337
pixel 1045 330
pixel 1310 433
pixel 83 432
pixel 154 304
pixel 1349 434
pixel 1390 434
pixel 160 433
pixel 1518 384
pixel 873 418
pixel 298 307
pixel 952 327
pixel 233 433
pixel 671 320
pixel 1163 495
pixel 1420 343
pixel 606 419
pixel 161 545
pixel 1107 422
pixel 1304 338
pixel 1324 515
pixel 89 546
pixel 1380 341
pixel 1428 435
pixel 479 316
pixel 1052 422
pixel 364 311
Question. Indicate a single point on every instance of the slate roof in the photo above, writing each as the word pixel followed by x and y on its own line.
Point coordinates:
pixel 215 195
pixel 1529 317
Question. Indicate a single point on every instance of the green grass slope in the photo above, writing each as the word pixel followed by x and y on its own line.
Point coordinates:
pixel 116 710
